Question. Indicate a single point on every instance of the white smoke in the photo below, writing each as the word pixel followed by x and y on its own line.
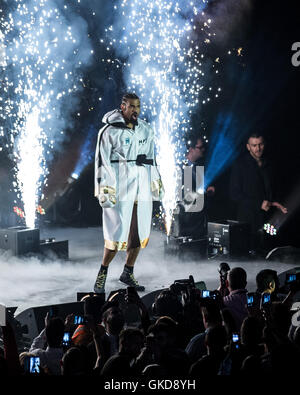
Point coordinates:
pixel 30 282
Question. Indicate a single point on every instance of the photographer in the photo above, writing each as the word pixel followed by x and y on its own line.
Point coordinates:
pixel 236 301
pixel 190 297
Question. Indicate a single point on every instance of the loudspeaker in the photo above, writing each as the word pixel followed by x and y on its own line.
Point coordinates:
pixel 183 246
pixel 229 237
pixel 58 248
pixel 34 317
pixel 20 240
pixel 189 224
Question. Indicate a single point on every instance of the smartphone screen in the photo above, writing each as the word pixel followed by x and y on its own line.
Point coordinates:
pixel 78 319
pixel 291 278
pixel 205 293
pixel 34 365
pixel 66 339
pixel 235 339
pixel 250 300
pixel 266 299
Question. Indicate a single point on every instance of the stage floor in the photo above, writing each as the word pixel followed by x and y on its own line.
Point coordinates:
pixel 32 281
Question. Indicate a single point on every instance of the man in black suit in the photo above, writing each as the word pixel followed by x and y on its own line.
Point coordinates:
pixel 251 187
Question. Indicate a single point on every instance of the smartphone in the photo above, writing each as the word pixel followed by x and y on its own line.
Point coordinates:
pixel 78 319
pixel 250 299
pixel 265 299
pixel 235 340
pixel 205 293
pixel 32 364
pixel 67 339
pixel 290 278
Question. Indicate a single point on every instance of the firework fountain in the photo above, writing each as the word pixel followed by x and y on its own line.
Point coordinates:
pixel 163 59
pixel 44 49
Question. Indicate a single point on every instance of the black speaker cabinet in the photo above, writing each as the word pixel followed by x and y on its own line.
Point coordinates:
pixel 59 249
pixel 185 246
pixel 20 240
pixel 229 237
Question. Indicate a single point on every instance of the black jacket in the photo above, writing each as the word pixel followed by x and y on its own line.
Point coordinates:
pixel 250 185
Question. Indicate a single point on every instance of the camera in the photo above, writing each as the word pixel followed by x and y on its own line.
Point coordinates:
pixel 32 364
pixel 186 291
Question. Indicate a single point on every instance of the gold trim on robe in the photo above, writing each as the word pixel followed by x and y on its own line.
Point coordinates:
pixel 122 245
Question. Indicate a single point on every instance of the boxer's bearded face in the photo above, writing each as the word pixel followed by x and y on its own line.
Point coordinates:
pixel 131 110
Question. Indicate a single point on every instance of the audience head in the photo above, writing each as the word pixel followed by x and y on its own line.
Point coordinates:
pixel 237 279
pixel 211 314
pixel 131 341
pixel 73 362
pixel 93 307
pixel 164 333
pixel 55 332
pixel 251 331
pixel 113 319
pixel 167 304
pixel 216 339
pixel 266 281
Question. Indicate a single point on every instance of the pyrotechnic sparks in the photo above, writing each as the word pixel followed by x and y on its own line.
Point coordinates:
pixel 162 44
pixel 41 52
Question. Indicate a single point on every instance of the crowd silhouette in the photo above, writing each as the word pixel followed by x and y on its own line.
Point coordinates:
pixel 186 332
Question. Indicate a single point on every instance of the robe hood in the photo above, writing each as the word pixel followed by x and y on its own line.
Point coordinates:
pixel 114 118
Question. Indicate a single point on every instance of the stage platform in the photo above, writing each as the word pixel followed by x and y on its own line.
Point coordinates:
pixel 37 281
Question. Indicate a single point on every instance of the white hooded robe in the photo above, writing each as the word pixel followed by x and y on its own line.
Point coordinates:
pixel 121 184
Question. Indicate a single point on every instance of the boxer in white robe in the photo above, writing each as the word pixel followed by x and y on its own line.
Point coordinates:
pixel 126 182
